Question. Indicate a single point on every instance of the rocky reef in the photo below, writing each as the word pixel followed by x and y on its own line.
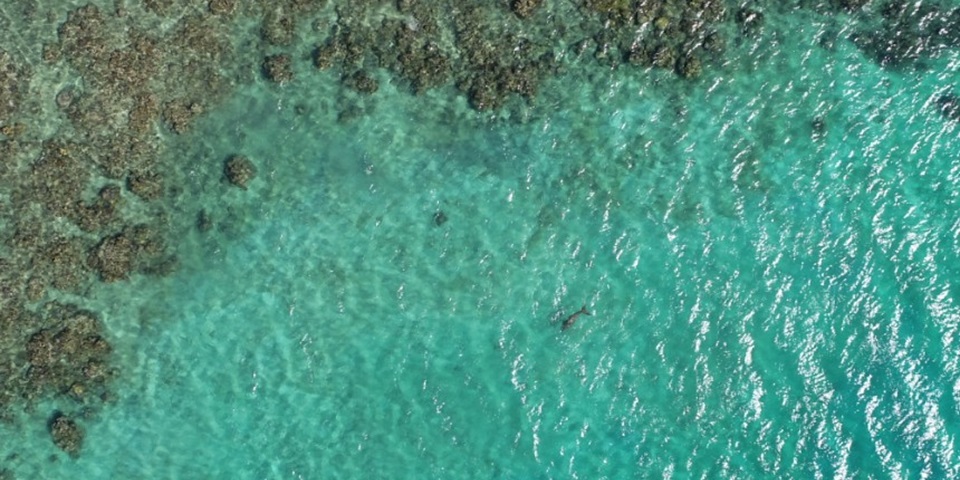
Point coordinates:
pixel 492 51
pixel 949 106
pixel 87 182
pixel 67 435
pixel 908 33
pixel 84 175
pixel 239 171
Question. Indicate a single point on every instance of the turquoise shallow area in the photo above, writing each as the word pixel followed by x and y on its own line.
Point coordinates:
pixel 766 301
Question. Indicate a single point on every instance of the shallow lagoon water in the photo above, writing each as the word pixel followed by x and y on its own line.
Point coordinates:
pixel 767 300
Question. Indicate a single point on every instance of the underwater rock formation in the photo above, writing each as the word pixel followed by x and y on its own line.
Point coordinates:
pixel 524 8
pixel 949 106
pixel 67 435
pixel 239 171
pixel 910 32
pixel 278 68
pixel 82 179
pixel 67 355
pixel 361 82
pixel 440 218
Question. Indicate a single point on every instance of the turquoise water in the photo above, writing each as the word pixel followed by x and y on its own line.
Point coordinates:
pixel 766 301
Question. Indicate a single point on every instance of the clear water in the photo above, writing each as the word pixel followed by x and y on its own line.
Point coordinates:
pixel 765 302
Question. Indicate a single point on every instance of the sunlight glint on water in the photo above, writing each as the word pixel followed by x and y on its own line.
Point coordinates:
pixel 766 300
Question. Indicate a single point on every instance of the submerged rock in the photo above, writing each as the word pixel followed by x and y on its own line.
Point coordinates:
pixel 147 185
pixel 439 218
pixel 69 357
pixel 689 67
pixel 361 82
pixel 278 68
pixel 911 33
pixel 221 7
pixel 239 171
pixel 204 222
pixel 819 127
pixel 750 21
pixel 524 8
pixel 112 258
pixel 67 435
pixel 949 105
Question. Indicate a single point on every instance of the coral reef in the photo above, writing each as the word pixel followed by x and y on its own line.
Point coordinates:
pixel 69 355
pixel 278 68
pixel 909 32
pixel 524 8
pixel 67 435
pixel 361 82
pixel 239 171
pixel 88 190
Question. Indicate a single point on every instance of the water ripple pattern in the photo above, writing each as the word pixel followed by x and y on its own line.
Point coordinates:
pixel 769 257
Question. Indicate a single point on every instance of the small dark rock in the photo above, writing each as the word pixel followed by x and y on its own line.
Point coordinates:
pixel 854 4
pixel 278 26
pixel 66 97
pixel 714 43
pixel 689 67
pixel 439 218
pixel 484 97
pixel 221 7
pixel 362 82
pixel 239 171
pixel 67 435
pixel 750 21
pixel 638 55
pixel 278 68
pixel 524 8
pixel 819 126
pixel 664 57
pixel 204 222
pixel 949 106
pixel 404 5
pixel 349 113
pixel 326 55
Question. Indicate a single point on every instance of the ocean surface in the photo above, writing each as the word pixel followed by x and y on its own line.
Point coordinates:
pixel 769 255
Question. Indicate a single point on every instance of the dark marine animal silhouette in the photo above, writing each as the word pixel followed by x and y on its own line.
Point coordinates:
pixel 573 318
